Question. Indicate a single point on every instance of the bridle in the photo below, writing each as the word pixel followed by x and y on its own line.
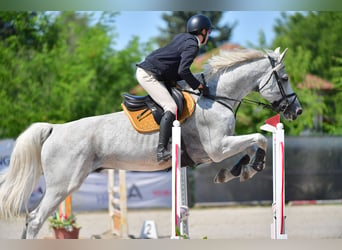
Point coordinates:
pixel 277 106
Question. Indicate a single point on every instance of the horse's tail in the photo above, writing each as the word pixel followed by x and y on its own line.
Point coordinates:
pixel 19 181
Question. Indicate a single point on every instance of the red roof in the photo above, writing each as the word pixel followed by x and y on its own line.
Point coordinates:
pixel 315 82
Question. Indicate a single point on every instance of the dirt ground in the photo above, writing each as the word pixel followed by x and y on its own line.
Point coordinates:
pixel 230 222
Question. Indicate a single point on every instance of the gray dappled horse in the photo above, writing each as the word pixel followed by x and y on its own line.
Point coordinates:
pixel 67 153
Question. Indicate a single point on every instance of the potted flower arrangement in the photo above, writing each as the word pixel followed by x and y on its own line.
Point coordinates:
pixel 64 226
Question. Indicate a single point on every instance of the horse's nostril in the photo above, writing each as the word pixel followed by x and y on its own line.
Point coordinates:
pixel 299 111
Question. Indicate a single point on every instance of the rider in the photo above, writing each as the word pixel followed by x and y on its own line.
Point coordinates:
pixel 170 64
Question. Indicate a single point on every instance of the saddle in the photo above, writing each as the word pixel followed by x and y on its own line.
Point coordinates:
pixel 145 114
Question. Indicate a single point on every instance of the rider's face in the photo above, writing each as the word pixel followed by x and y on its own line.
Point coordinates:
pixel 207 35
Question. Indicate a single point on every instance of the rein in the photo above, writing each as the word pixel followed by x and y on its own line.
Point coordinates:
pixel 221 99
pixel 275 106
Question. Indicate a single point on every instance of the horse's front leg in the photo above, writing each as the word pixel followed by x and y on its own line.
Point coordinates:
pixel 254 148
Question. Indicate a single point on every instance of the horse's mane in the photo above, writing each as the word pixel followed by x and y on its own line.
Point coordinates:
pixel 226 59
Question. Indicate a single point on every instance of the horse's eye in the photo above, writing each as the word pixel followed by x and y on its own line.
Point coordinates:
pixel 285 77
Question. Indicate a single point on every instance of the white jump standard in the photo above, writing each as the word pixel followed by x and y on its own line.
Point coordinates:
pixel 179 222
pixel 278 206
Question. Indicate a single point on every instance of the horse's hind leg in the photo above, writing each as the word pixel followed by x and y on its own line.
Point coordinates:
pixel 36 218
pixel 58 187
pixel 23 235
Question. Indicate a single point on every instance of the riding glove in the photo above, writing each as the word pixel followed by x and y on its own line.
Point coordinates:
pixel 205 90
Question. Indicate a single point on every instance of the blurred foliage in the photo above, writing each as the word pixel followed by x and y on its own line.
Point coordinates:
pixel 313 39
pixel 56 67
pixel 61 66
pixel 314 42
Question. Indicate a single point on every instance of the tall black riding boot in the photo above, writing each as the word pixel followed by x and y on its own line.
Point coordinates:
pixel 165 132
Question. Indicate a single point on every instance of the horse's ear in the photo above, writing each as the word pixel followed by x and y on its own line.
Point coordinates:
pixel 277 51
pixel 281 57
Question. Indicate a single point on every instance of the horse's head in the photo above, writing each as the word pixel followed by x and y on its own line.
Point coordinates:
pixel 276 87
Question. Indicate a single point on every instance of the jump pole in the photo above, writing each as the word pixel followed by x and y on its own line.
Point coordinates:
pixel 117 202
pixel 274 126
pixel 179 212
pixel 65 207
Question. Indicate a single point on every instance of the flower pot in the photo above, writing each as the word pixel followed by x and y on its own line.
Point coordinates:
pixel 62 233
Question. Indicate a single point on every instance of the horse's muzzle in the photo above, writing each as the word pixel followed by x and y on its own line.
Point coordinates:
pixel 293 111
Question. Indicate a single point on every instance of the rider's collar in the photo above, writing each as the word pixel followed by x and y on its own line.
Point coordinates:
pixel 199 42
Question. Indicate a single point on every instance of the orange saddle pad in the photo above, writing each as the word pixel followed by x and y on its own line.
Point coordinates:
pixel 147 124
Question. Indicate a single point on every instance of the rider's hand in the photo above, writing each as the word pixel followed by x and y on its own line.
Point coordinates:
pixel 204 89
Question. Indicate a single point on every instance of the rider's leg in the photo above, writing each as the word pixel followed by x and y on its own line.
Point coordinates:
pixel 160 94
pixel 163 154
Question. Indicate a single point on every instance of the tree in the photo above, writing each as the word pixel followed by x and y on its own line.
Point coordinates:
pixel 336 99
pixel 70 71
pixel 20 26
pixel 176 23
pixel 314 42
pixel 317 32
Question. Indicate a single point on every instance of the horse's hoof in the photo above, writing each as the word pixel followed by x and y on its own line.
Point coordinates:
pixel 247 173
pixel 223 176
pixel 258 166
pixel 259 163
pixel 236 169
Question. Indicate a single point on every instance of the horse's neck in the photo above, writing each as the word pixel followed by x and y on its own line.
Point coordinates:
pixel 240 81
pixel 236 82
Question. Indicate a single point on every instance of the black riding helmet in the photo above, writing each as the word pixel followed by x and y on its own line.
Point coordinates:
pixel 198 22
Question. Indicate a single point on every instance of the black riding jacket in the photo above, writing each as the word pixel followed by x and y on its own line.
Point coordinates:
pixel 172 62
